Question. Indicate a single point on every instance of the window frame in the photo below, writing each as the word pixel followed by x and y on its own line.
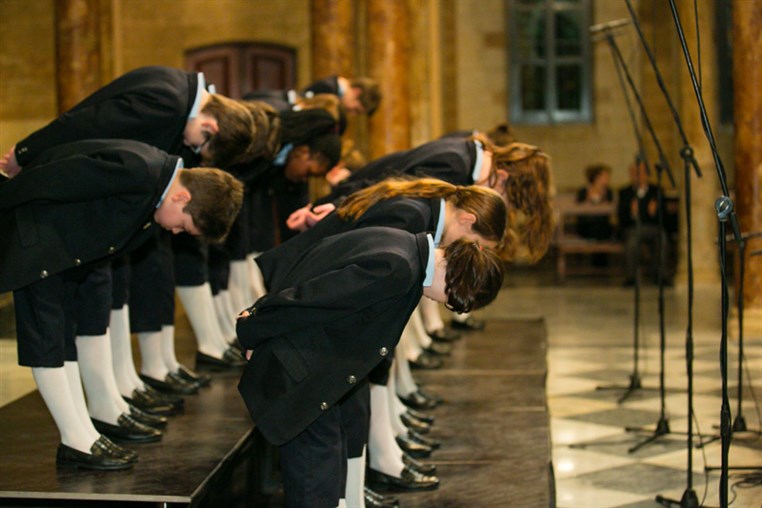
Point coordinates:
pixel 551 114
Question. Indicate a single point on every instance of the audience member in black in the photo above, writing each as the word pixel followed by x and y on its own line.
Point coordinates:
pixel 638 214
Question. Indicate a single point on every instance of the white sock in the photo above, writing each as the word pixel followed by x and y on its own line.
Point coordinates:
pixel 342 503
pixel 53 384
pixel 408 343
pixel 152 363
pixel 398 427
pixel 78 398
pixel 432 319
pixel 168 348
pixel 355 489
pixel 104 402
pixel 419 331
pixel 121 351
pixel 461 318
pixel 241 280
pixel 405 382
pixel 225 319
pixel 258 288
pixel 384 453
pixel 199 306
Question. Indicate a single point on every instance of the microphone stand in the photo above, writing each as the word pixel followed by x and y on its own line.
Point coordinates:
pixel 635 382
pixel 725 213
pixel 689 498
pixel 739 424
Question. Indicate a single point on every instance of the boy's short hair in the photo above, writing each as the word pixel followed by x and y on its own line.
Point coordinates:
pixel 474 275
pixel 370 93
pixel 216 198
pixel 326 146
pixel 236 132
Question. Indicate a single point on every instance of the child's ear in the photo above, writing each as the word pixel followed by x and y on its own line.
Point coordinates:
pixel 182 196
pixel 301 151
pixel 210 124
pixel 467 218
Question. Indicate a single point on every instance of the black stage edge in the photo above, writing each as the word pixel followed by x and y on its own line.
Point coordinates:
pixel 207 457
pixel 494 424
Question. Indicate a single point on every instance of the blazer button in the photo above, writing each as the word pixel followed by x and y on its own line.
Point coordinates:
pixel 77 262
pixel 23 149
pixel 43 274
pixel 323 406
pixel 111 250
pixel 383 351
pixel 351 380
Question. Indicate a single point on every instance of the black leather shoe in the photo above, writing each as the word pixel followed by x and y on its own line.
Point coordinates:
pixel 413 448
pixel 192 376
pixel 439 348
pixel 155 421
pixel 471 323
pixel 426 360
pixel 433 398
pixel 176 401
pixel 415 424
pixel 426 469
pixel 417 401
pixel 444 335
pixel 409 480
pixel 144 401
pixel 118 450
pixel 127 430
pixel 375 500
pixel 100 458
pixel 172 383
pixel 230 360
pixel 426 441
pixel 418 415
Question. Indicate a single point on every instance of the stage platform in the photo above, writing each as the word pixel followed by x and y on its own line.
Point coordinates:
pixel 200 452
pixel 493 426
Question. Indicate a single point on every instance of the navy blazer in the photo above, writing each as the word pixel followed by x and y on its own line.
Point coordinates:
pixel 149 104
pixel 414 215
pixel 448 159
pixel 79 203
pixel 337 312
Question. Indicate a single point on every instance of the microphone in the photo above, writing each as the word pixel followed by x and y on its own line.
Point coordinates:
pixel 602 27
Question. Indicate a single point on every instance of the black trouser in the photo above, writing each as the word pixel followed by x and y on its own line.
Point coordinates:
pixel 314 463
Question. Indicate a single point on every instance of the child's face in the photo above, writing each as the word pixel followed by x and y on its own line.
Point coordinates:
pixel 351 101
pixel 436 291
pixel 301 165
pixel 170 216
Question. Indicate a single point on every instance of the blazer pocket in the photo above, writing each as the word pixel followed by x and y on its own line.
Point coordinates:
pixel 292 361
pixel 27 226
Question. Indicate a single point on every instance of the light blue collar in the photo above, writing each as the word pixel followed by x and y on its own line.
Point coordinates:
pixel 197 103
pixel 280 159
pixel 430 264
pixel 440 223
pixel 477 174
pixel 178 167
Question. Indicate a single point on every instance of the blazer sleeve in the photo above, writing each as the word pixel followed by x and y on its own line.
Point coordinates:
pixel 74 179
pixel 327 298
pixel 139 114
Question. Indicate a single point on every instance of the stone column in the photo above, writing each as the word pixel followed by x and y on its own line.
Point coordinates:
pixel 333 38
pixel 747 112
pixel 78 51
pixel 388 44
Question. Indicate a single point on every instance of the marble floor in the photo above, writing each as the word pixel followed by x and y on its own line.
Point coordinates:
pixel 590 326
pixel 590 329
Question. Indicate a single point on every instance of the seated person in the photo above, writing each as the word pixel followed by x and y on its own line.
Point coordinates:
pixel 597 191
pixel 638 214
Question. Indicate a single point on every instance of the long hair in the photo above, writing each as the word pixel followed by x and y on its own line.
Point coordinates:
pixel 486 204
pixel 474 275
pixel 529 192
